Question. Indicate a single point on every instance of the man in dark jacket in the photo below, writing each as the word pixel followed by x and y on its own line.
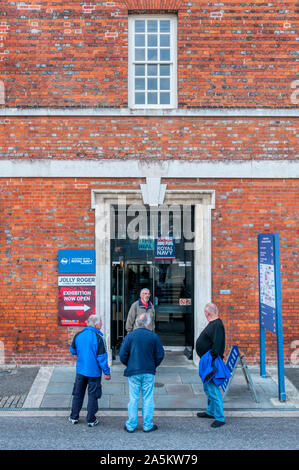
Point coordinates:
pixel 212 339
pixel 90 348
pixel 142 352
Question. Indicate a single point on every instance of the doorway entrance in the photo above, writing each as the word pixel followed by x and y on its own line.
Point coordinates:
pixel 109 250
pixel 167 273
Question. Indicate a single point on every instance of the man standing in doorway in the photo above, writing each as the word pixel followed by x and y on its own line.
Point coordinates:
pixel 143 305
pixel 92 359
pixel 142 352
pixel 212 339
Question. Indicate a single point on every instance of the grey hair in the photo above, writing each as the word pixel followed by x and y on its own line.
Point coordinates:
pixel 142 320
pixel 93 320
pixel 144 289
pixel 212 309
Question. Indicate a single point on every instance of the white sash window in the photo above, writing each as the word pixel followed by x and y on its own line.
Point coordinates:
pixel 152 61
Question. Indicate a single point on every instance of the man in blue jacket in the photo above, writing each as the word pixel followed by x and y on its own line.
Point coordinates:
pixel 90 348
pixel 142 352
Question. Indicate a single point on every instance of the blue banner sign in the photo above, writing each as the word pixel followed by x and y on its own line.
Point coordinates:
pixel 146 244
pixel 76 261
pixel 267 282
pixel 231 363
pixel 165 248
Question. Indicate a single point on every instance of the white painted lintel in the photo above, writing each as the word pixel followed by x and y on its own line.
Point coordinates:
pixel 183 112
pixel 46 168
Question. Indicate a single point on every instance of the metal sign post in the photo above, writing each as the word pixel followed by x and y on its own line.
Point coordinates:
pixel 270 309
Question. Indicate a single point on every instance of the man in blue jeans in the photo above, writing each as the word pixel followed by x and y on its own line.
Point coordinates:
pixel 90 348
pixel 142 352
pixel 212 339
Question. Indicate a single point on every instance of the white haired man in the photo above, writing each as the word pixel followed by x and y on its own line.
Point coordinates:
pixel 92 359
pixel 143 305
pixel 212 339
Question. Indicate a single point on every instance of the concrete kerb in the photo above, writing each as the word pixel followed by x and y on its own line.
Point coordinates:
pixel 161 413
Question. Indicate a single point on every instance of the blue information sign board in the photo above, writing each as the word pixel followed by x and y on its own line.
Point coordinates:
pixel 267 281
pixel 270 309
pixel 76 261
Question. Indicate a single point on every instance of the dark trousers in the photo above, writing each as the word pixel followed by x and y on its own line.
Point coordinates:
pixel 94 393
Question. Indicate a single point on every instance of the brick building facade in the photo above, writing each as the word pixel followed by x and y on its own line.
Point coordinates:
pixel 160 102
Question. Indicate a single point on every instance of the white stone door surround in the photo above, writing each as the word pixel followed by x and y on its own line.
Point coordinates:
pixel 204 203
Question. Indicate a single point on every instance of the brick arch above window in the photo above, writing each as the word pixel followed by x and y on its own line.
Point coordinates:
pixel 152 4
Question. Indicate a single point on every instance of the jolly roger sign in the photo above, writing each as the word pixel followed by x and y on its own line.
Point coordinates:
pixel 76 299
pixel 76 291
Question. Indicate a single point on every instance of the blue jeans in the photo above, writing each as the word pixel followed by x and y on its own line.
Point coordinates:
pixel 94 393
pixel 215 402
pixel 144 383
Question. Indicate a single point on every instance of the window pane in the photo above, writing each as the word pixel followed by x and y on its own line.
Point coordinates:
pixel 152 26
pixel 152 70
pixel 164 26
pixel 165 54
pixel 152 40
pixel 164 84
pixel 152 54
pixel 139 54
pixel 139 70
pixel 140 84
pixel 164 98
pixel 139 98
pixel 165 40
pixel 152 98
pixel 139 26
pixel 139 40
pixel 152 84
pixel 164 70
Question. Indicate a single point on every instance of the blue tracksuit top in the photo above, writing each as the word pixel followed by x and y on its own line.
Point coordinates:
pixel 214 370
pixel 141 351
pixel 90 348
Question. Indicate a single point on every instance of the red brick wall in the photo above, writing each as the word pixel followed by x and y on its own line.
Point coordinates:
pixel 233 54
pixel 149 137
pixel 39 216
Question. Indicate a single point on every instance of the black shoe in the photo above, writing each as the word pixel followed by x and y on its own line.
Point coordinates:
pixel 73 421
pixel 94 423
pixel 154 428
pixel 203 414
pixel 128 430
pixel 217 424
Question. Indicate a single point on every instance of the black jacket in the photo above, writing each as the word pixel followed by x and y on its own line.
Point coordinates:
pixel 212 338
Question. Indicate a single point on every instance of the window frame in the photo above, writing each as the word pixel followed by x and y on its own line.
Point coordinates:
pixel 172 61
